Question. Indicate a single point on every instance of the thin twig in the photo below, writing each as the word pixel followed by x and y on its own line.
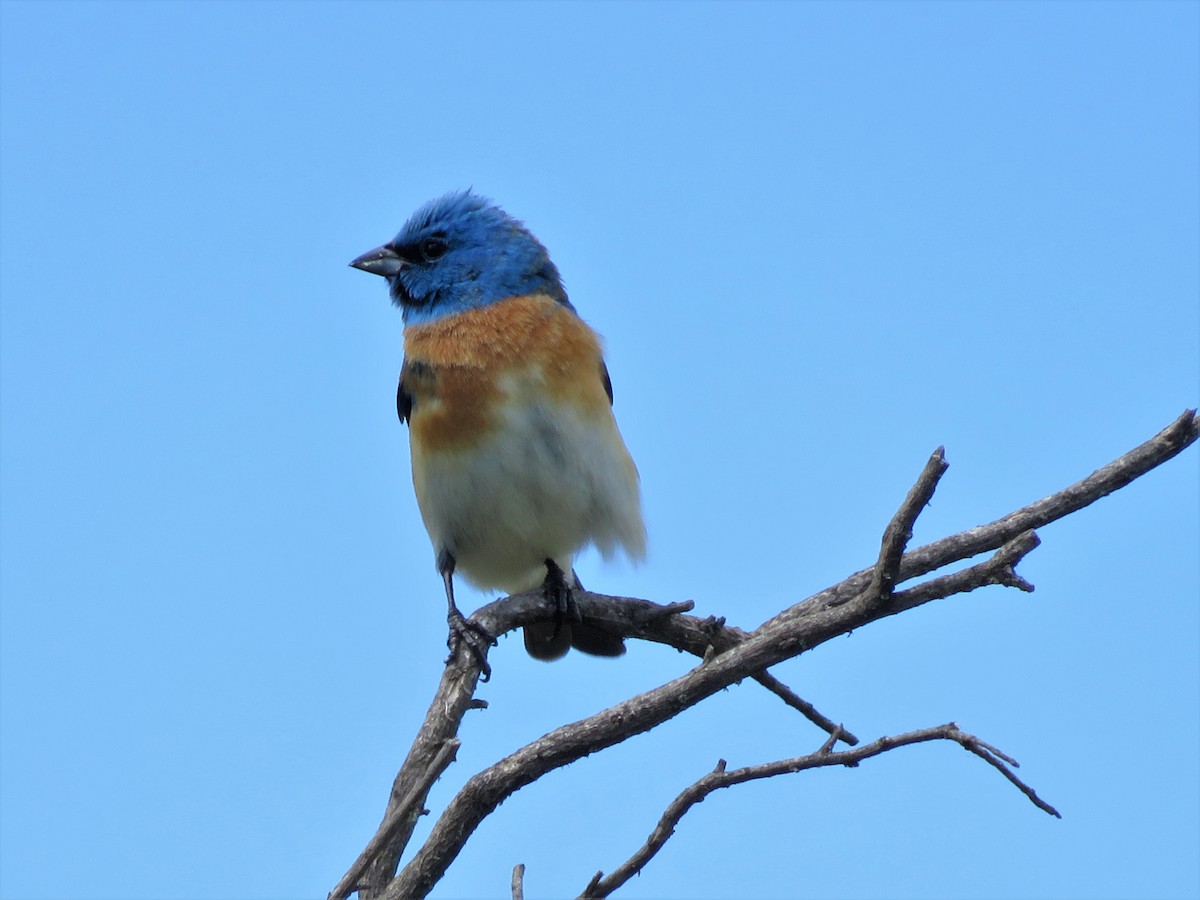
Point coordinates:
pixel 831 741
pixel 722 637
pixel 806 709
pixel 601 886
pixel 997 569
pixel 997 761
pixel 899 530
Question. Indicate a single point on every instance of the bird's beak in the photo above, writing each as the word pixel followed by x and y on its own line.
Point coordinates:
pixel 381 261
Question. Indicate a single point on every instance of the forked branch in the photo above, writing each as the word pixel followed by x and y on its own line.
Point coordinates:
pixel 727 655
pixel 602 885
pixel 899 531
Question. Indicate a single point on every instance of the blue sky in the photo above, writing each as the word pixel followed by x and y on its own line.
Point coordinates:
pixel 819 239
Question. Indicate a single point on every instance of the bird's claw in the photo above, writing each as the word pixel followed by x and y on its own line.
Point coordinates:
pixel 557 590
pixel 474 636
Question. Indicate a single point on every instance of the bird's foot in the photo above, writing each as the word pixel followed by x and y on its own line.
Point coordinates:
pixel 557 590
pixel 476 638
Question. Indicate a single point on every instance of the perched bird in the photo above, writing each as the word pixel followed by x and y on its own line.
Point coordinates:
pixel 516 457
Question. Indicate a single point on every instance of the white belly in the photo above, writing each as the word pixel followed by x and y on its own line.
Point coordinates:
pixel 543 486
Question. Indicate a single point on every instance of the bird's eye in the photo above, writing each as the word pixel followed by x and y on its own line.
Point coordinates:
pixel 433 248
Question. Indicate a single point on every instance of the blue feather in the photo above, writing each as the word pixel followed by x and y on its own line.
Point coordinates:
pixel 462 252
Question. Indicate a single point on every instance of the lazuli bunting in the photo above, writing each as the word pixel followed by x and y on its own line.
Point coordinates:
pixel 516 458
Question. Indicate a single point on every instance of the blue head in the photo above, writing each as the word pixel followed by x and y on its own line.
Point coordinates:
pixel 461 252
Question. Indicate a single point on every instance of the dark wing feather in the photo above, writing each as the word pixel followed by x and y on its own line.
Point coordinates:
pixel 607 381
pixel 404 401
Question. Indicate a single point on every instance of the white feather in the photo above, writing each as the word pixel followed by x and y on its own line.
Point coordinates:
pixel 545 484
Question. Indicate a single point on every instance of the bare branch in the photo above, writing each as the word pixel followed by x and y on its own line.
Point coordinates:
pixel 728 656
pixel 830 742
pixel 997 760
pixel 998 569
pixel 601 886
pixel 719 637
pixel 899 531
pixel 810 712
pixel 1165 445
pixel 395 816
pixel 518 882
pixel 486 790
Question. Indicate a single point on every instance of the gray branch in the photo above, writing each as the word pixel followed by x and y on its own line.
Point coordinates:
pixel 728 655
pixel 601 886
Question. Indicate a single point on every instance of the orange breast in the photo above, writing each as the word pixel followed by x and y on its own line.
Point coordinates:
pixel 462 370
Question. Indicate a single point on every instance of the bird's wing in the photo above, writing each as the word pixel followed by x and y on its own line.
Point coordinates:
pixel 607 381
pixel 404 400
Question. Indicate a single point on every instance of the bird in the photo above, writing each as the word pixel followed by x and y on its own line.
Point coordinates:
pixel 517 461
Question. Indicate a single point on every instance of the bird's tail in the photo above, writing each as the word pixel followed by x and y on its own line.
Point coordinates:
pixel 549 641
